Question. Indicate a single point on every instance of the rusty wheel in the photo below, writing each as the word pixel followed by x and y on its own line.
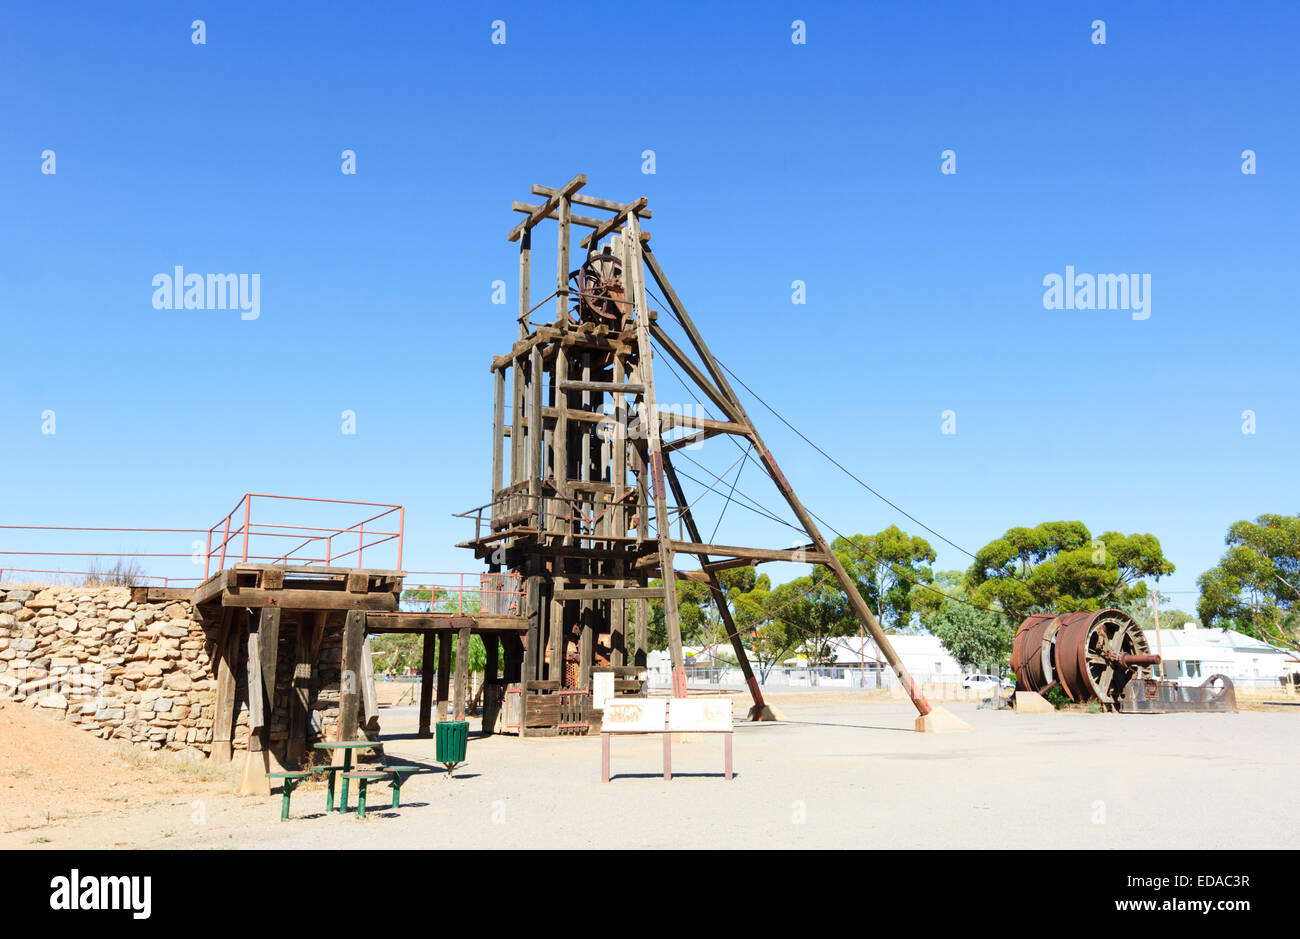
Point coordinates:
pixel 600 289
pixel 1092 655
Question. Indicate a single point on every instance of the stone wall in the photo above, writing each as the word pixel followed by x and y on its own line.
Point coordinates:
pixel 140 672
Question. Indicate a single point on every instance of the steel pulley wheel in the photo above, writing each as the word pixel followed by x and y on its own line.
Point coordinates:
pixel 600 289
pixel 1092 655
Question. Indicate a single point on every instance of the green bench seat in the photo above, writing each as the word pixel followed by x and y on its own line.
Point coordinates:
pixel 287 783
pixel 363 777
pixel 329 789
pixel 399 776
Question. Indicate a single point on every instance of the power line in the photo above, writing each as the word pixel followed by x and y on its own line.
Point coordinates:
pixel 845 469
pixel 747 453
pixel 805 439
pixel 853 545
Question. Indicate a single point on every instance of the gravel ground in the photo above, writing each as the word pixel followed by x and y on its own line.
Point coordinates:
pixel 842 771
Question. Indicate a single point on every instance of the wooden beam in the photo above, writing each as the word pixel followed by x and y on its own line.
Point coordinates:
pixel 805 555
pixel 606 387
pixel 444 675
pixel 210 589
pixel 697 341
pixel 689 441
pixel 586 641
pixel 254 780
pixel 760 710
pixel 268 641
pixel 226 652
pixel 671 419
pixel 498 436
pixel 614 223
pixel 860 607
pixel 300 692
pixel 583 220
pixel 350 674
pixel 442 622
pixel 640 633
pixel 635 274
pixel 549 206
pixel 369 697
pixel 691 369
pixel 256 692
pixel 427 667
pixel 254 598
pixel 562 261
pixel 610 593
pixel 592 202
pixel 461 692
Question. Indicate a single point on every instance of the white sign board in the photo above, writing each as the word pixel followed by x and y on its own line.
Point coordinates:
pixel 602 689
pixel 634 716
pixel 699 714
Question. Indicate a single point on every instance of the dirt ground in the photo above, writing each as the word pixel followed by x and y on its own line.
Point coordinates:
pixel 843 769
pixel 52 773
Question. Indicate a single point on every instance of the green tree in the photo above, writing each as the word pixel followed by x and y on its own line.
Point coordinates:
pixel 400 651
pixel 818 611
pixel 701 624
pixel 1255 587
pixel 397 652
pixel 886 568
pixel 759 618
pixel 974 637
pixel 1059 567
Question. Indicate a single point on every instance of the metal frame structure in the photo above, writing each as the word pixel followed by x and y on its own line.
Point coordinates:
pixel 583 484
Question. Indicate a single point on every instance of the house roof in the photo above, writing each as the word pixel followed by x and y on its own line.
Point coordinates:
pixel 850 648
pixel 1226 640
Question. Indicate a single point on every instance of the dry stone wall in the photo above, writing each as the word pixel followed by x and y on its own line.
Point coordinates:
pixel 141 672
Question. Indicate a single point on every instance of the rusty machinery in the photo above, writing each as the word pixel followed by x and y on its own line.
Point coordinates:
pixel 1103 656
pixel 599 289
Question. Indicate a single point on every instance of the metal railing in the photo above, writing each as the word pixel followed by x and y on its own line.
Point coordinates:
pixel 241 535
pixel 519 509
pixel 314 544
pixel 498 594
pixel 64 532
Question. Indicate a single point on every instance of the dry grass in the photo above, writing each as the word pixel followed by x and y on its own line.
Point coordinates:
pixel 123 573
pixel 169 763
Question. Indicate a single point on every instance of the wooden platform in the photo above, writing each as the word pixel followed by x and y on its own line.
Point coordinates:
pixel 479 623
pixel 308 587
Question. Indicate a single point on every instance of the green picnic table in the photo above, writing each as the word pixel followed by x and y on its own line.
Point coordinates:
pixel 347 746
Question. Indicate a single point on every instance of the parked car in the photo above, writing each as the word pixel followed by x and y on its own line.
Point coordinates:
pixel 983 682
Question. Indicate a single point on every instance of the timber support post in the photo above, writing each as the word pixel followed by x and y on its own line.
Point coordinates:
pixel 585 413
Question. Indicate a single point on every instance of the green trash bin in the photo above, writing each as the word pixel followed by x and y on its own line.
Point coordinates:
pixel 452 741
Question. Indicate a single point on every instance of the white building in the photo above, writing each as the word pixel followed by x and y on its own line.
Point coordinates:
pixel 923 656
pixel 1192 654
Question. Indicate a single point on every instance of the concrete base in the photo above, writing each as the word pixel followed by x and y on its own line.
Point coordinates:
pixel 254 782
pixel 1031 702
pixel 940 721
pixel 764 713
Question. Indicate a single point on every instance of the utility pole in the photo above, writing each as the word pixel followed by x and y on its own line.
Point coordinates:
pixel 1155 611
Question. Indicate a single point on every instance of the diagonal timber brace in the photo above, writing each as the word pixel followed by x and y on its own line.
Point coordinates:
pixel 760 711
pixel 859 605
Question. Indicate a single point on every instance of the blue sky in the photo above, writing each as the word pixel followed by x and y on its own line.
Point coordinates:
pixel 775 162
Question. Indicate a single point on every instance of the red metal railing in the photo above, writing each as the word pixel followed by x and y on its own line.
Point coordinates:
pixel 240 536
pixel 85 556
pixel 485 593
pixel 147 578
pixel 315 544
